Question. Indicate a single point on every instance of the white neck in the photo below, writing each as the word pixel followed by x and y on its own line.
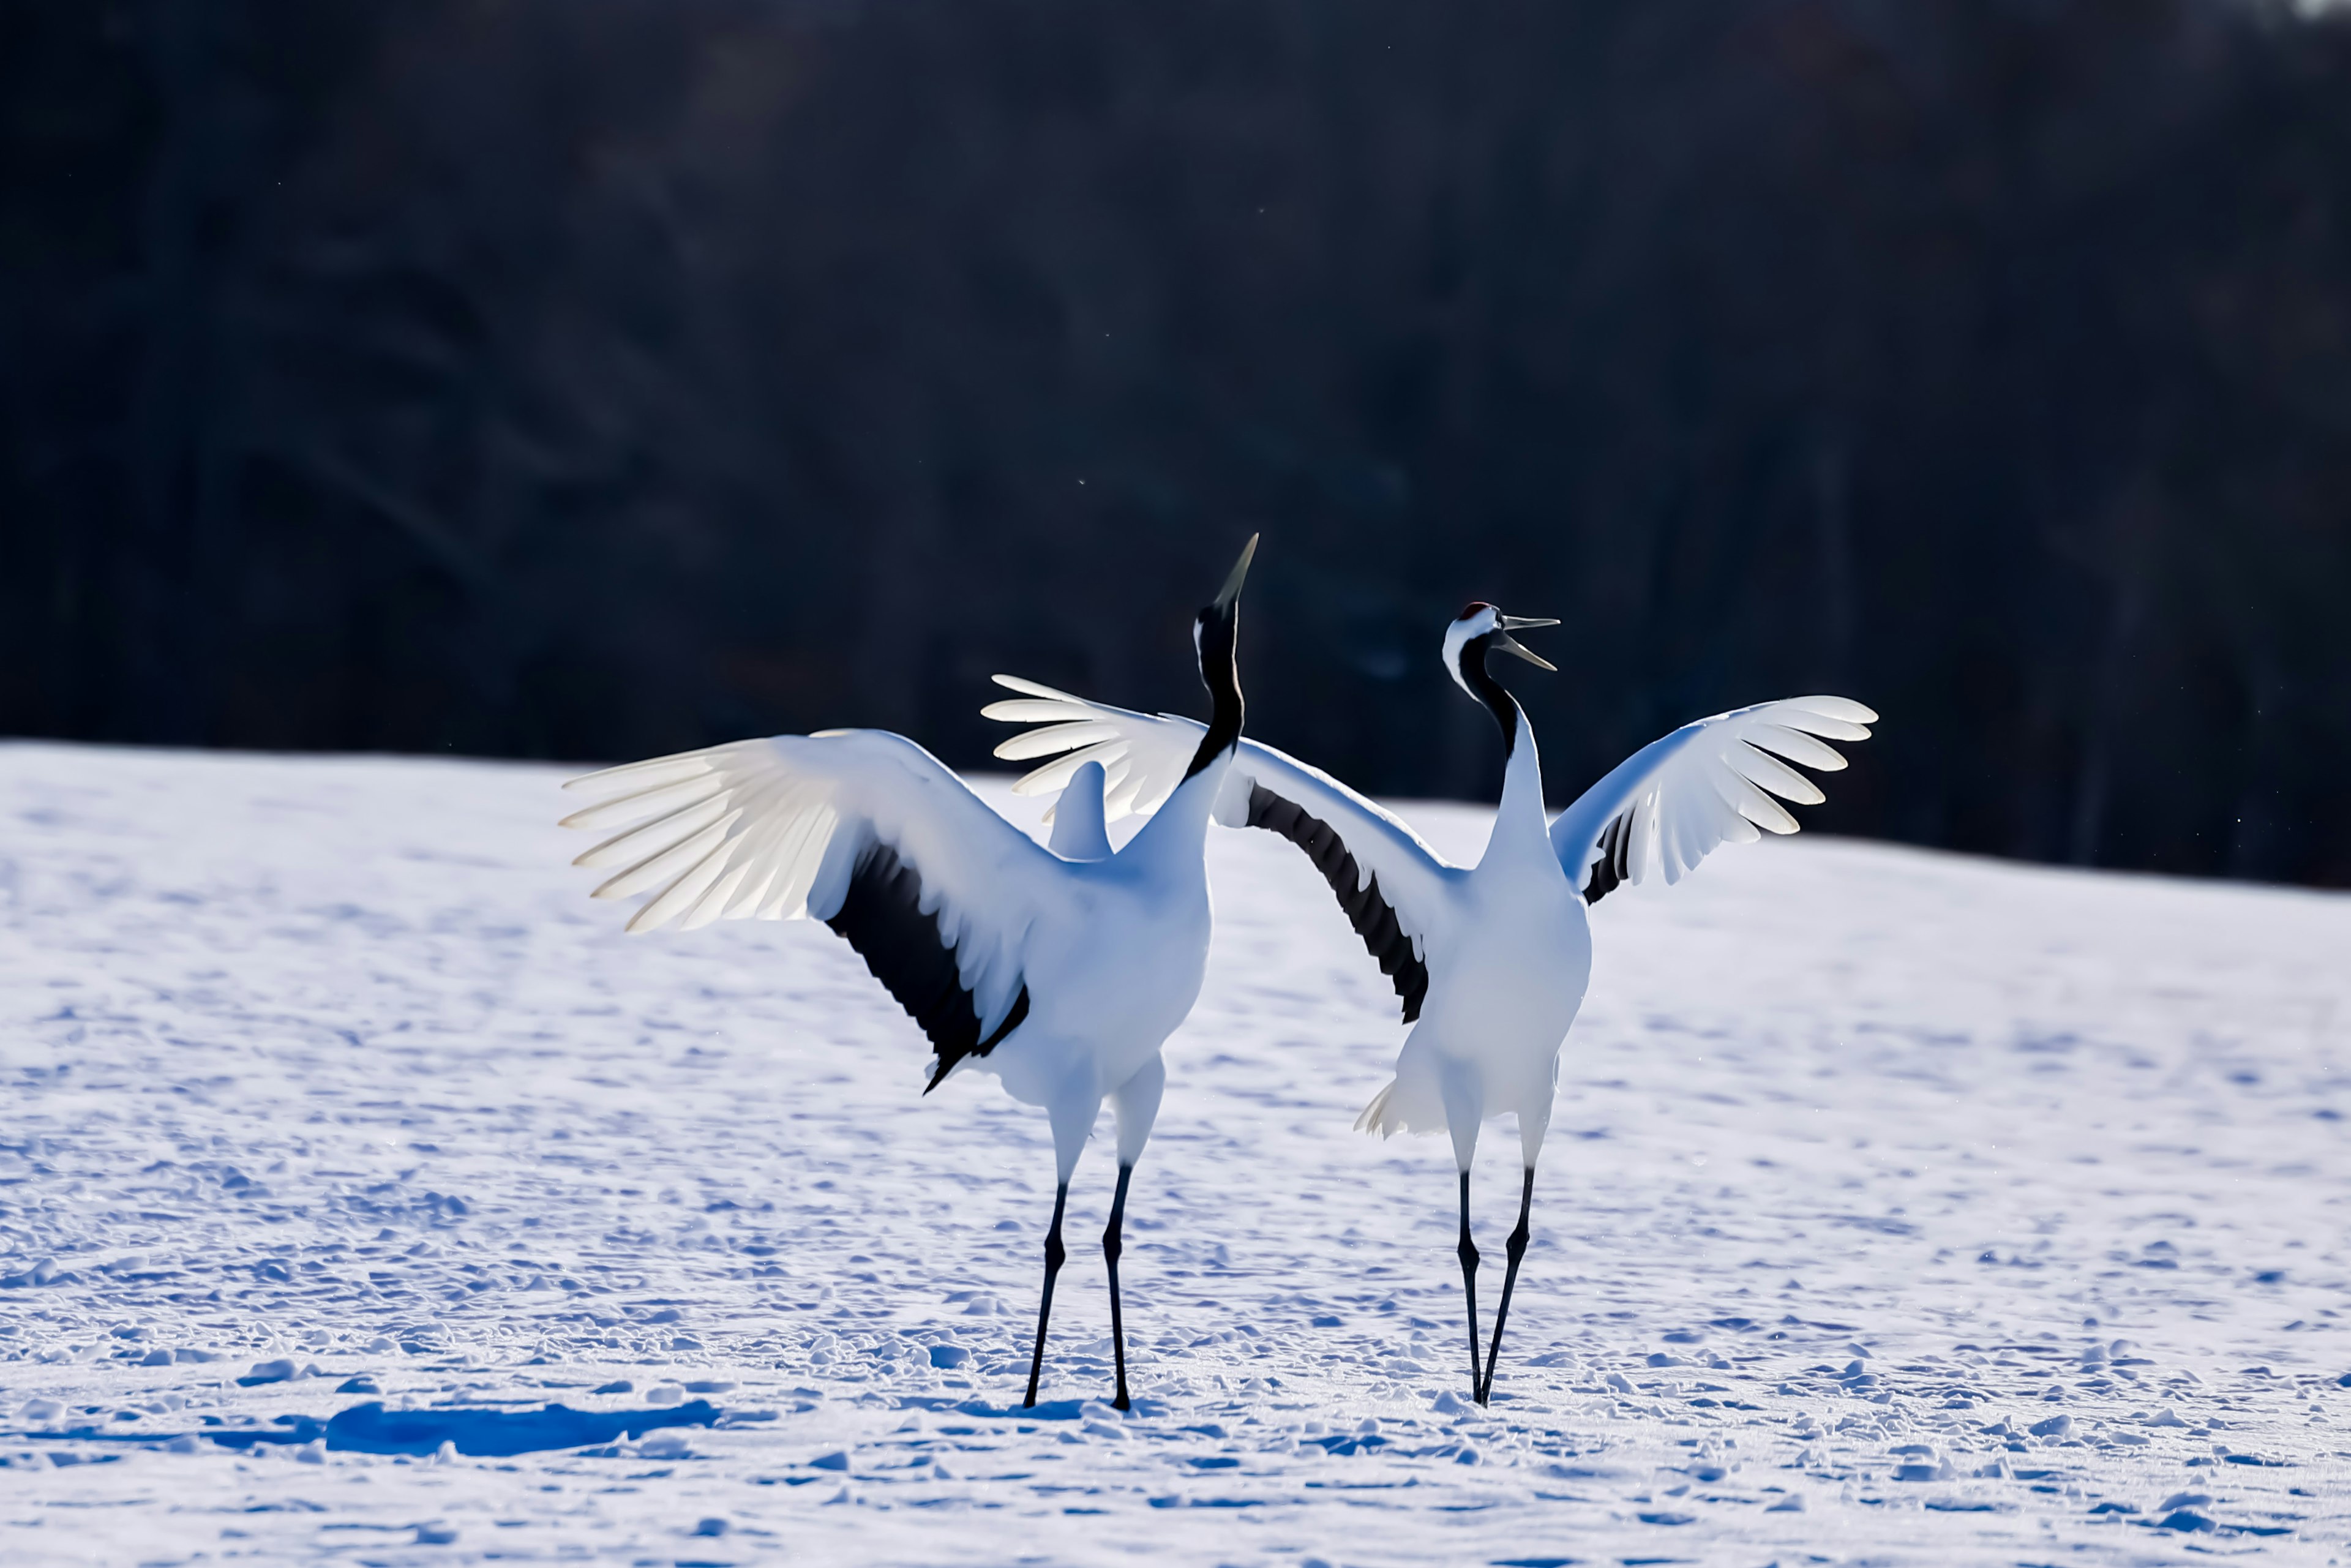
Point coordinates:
pixel 1520 828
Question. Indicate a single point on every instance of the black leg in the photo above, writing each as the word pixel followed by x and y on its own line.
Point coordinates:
pixel 1468 1251
pixel 1053 1256
pixel 1110 1249
pixel 1509 1279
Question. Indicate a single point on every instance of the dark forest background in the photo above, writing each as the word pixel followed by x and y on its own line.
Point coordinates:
pixel 595 378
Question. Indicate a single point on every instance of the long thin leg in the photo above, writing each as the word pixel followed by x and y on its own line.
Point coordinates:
pixel 1468 1251
pixel 1053 1257
pixel 1517 1249
pixel 1110 1249
pixel 1137 1101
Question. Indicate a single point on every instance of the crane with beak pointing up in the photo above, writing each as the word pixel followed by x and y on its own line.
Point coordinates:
pixel 1059 969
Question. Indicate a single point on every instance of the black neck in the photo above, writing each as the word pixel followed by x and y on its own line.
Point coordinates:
pixel 1221 674
pixel 1487 690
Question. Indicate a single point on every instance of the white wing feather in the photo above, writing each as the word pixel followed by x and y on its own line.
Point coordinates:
pixel 1145 755
pixel 1708 783
pixel 1155 749
pixel 772 830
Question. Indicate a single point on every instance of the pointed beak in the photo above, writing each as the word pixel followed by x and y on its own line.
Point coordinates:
pixel 1231 592
pixel 1506 644
pixel 1506 625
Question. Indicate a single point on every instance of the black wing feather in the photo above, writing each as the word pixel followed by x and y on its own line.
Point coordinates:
pixel 881 916
pixel 1616 861
pixel 1372 917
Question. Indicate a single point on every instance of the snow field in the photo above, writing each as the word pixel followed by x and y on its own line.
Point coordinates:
pixel 1899 1207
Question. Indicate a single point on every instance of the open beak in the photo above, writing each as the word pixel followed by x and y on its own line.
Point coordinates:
pixel 1506 625
pixel 1231 592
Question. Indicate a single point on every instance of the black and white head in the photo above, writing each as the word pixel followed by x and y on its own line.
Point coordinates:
pixel 1214 634
pixel 1481 630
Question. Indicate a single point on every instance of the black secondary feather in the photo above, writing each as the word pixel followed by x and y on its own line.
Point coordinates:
pixel 1374 919
pixel 1616 861
pixel 883 919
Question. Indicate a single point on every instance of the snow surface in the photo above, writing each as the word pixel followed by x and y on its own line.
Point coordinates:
pixel 1899 1208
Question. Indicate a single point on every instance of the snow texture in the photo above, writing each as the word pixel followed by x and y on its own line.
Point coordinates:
pixel 1898 1208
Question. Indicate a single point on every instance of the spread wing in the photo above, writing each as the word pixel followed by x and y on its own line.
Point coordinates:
pixel 1144 755
pixel 861 829
pixel 1672 803
pixel 1392 887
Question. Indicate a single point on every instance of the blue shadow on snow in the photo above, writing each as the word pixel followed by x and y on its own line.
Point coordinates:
pixel 478 1434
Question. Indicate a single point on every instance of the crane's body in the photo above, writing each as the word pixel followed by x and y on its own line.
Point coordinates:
pixel 1060 969
pixel 1116 964
pixel 1490 962
pixel 1507 972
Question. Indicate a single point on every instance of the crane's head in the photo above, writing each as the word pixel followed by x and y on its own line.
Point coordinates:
pixel 1213 637
pixel 1479 629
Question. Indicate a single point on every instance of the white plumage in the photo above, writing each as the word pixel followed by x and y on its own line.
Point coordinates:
pixel 1109 949
pixel 1490 962
pixel 1708 783
pixel 1059 969
pixel 771 828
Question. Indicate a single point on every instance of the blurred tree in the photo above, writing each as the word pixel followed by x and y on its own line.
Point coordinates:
pixel 589 377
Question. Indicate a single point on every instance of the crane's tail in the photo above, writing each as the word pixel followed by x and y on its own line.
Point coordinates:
pixel 1377 1117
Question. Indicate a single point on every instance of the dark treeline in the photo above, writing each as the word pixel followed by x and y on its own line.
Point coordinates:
pixel 593 378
